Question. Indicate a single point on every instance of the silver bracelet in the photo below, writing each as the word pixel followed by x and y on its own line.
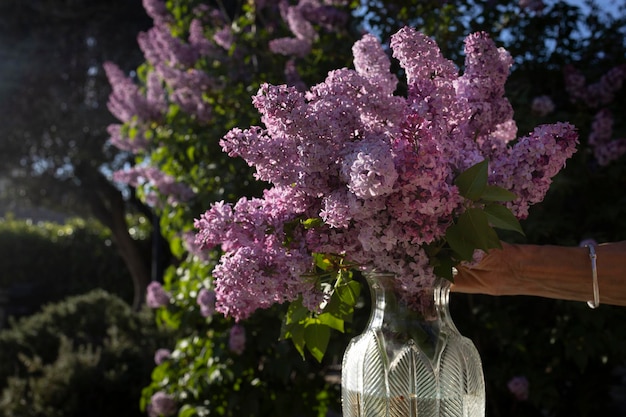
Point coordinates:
pixel 594 276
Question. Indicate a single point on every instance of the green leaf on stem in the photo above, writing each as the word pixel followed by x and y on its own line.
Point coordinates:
pixel 293 325
pixel 475 224
pixel 496 193
pixel 296 334
pixel 317 336
pixel 459 243
pixel 472 231
pixel 343 299
pixel 349 292
pixel 473 181
pixel 501 217
pixel 331 321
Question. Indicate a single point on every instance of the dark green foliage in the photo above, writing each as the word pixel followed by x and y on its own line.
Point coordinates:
pixel 88 355
pixel 45 262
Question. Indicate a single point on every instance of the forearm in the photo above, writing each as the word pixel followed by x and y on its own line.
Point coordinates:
pixel 548 271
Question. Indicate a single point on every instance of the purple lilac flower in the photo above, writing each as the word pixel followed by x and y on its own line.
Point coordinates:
pixel 597 94
pixel 375 168
pixel 160 46
pixel 527 169
pixel 328 16
pixel 299 26
pixel 518 386
pixel 292 76
pixel 575 83
pixel 224 37
pixel 237 339
pixel 290 46
pixel 603 92
pixel 300 19
pixel 605 148
pixel 482 84
pixel 136 144
pixel 162 404
pixel 137 176
pixel 156 296
pixel 125 101
pixel 368 169
pixel 542 105
pixel 189 240
pixel 206 301
pixel 161 355
pixel 610 151
pixel 198 40
pixel 157 10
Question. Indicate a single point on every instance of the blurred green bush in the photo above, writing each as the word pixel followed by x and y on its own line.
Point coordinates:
pixel 89 355
pixel 44 262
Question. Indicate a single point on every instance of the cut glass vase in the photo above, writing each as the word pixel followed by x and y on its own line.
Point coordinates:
pixel 411 362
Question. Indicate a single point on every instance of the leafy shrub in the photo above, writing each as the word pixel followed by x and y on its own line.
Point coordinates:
pixel 87 355
pixel 45 262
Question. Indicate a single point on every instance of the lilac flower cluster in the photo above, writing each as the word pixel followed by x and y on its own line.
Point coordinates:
pixel 156 296
pixel 173 61
pixel 518 387
pixel 173 80
pixel 189 241
pixel 542 105
pixel 596 95
pixel 375 169
pixel 138 176
pixel 605 148
pixel 237 339
pixel 300 18
pixel 161 355
pixel 206 301
pixel 162 404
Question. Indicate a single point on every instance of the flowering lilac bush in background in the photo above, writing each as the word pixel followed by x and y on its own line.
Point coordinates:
pixel 599 95
pixel 202 65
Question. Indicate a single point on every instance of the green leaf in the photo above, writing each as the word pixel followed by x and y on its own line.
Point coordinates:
pixel 295 332
pixel 495 193
pixel 475 225
pixel 187 411
pixel 443 267
pixel 317 336
pixel 349 293
pixel 473 181
pixel 325 262
pixel 331 321
pixel 472 231
pixel 296 312
pixel 459 243
pixel 312 223
pixel 191 151
pixel 342 301
pixel 501 217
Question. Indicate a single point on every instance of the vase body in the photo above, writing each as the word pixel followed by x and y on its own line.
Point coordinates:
pixel 411 362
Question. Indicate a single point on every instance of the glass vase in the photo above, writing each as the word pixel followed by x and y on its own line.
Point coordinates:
pixel 411 360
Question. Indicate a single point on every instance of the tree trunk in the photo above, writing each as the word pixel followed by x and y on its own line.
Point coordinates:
pixel 109 207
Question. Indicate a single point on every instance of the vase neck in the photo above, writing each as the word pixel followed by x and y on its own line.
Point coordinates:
pixel 420 319
pixel 431 304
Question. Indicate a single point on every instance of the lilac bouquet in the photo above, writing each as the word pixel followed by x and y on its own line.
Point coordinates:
pixel 365 178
